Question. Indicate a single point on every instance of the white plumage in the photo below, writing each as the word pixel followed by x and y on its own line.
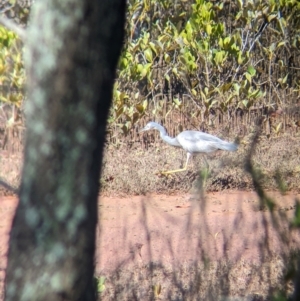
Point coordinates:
pixel 192 142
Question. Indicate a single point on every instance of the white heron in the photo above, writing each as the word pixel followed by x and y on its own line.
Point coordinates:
pixel 192 142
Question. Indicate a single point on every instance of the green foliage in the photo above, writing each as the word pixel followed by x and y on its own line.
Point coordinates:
pixel 12 74
pixel 122 107
pixel 205 50
pixel 222 57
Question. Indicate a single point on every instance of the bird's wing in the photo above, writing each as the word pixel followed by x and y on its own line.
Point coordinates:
pixel 195 136
pixel 195 142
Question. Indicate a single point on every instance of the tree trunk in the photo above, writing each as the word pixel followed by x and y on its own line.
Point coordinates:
pixel 71 53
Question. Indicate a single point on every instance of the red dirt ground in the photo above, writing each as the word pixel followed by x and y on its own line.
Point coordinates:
pixel 177 229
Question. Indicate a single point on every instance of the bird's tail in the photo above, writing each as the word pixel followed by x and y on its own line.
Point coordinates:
pixel 228 146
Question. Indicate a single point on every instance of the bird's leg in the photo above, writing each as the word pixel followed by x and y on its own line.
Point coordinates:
pixel 181 169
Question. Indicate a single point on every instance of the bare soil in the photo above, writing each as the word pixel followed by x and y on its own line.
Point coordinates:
pixel 180 233
pixel 169 228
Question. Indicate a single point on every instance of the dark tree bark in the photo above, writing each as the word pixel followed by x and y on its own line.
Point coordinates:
pixel 72 49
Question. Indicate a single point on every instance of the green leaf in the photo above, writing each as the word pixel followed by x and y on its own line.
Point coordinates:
pixel 245 102
pixel 271 17
pixel 239 15
pixel 226 41
pixel 240 3
pixel 272 47
pixel 194 92
pixel 240 58
pixel 219 6
pixel 177 101
pixel 140 68
pixel 281 44
pixel 167 58
pixel 148 55
pixel 175 71
pixel 145 104
pixel 153 47
pixel 285 79
pixel 226 87
pixel 140 108
pixel 236 87
pixel 219 57
pixel 208 29
pixel 213 102
pixel 251 70
pixel 220 42
pixel 278 127
pixel 145 70
pixel 248 76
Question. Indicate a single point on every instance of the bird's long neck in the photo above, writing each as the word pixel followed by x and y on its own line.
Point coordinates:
pixel 164 136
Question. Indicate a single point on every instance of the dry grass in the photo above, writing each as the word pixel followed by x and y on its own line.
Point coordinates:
pixel 211 281
pixel 10 171
pixel 135 170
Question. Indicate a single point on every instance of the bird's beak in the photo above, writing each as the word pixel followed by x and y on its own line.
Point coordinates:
pixel 142 130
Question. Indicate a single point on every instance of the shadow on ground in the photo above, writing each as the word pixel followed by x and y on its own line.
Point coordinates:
pixel 199 248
